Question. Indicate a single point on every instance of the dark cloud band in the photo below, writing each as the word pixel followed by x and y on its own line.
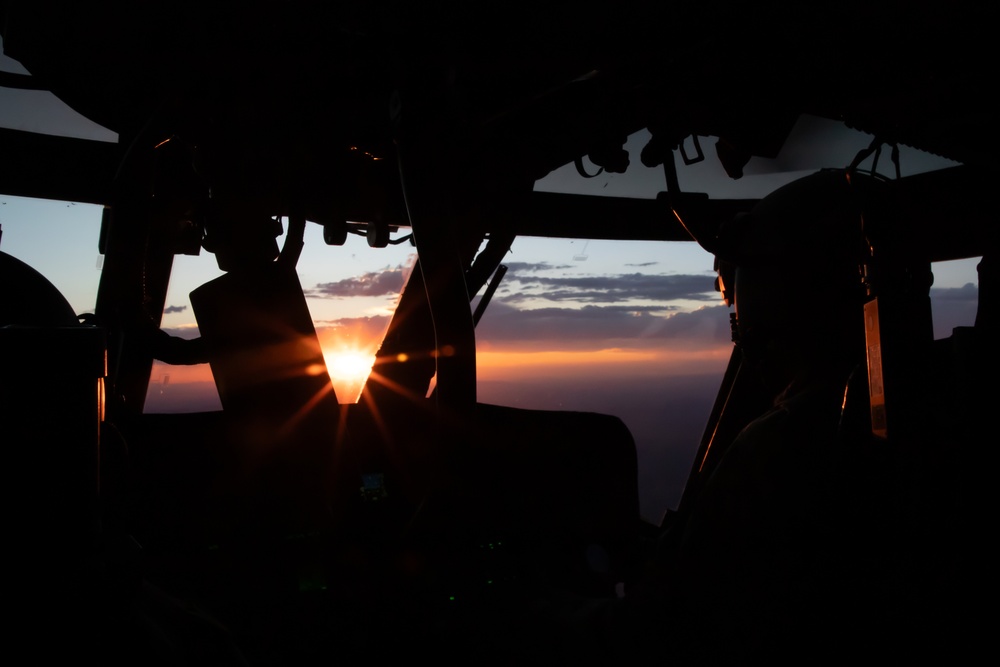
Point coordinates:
pixel 612 289
pixel 388 282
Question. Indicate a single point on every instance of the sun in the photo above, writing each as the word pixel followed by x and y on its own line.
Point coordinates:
pixel 349 369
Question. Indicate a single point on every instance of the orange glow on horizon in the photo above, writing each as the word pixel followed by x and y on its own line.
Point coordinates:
pixel 509 364
pixel 564 357
pixel 165 374
pixel 350 367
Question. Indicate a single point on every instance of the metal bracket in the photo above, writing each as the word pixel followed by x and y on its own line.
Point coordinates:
pixel 699 154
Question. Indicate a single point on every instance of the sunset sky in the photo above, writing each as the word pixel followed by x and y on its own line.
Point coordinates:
pixel 629 328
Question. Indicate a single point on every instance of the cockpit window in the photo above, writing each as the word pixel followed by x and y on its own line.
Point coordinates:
pixel 631 329
pixel 351 292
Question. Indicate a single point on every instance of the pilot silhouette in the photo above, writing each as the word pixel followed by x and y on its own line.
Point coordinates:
pixel 756 567
pixel 760 553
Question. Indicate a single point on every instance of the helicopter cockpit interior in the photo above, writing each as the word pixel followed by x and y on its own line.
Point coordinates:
pixel 424 519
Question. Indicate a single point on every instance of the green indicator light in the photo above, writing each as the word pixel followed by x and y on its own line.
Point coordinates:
pixel 452 598
pixel 489 581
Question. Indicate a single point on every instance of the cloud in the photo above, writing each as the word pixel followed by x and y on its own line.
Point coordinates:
pixel 188 332
pixel 588 328
pixel 587 312
pixel 388 282
pixel 642 264
pixel 593 326
pixel 967 292
pixel 530 267
pixel 953 307
pixel 612 288
pixel 174 309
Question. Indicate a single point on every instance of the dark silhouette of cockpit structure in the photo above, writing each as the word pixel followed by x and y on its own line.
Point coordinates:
pixel 315 529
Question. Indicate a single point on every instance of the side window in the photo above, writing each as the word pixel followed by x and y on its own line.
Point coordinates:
pixel 631 329
pixel 59 240
pixel 955 295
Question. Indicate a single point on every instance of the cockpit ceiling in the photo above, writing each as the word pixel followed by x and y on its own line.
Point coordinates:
pixel 299 96
pixel 553 79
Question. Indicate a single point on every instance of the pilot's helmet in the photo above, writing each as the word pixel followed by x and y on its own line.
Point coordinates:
pixel 240 234
pixel 797 260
